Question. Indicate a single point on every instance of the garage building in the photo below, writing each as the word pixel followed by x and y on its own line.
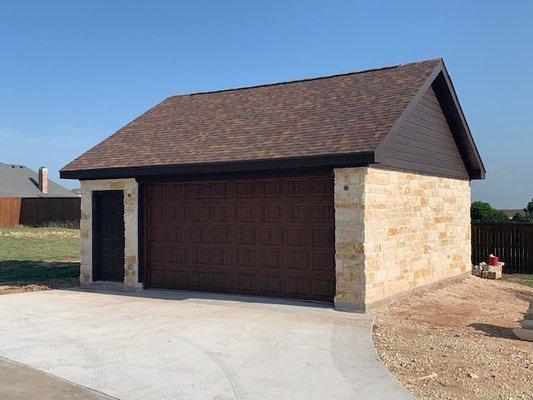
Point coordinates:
pixel 348 189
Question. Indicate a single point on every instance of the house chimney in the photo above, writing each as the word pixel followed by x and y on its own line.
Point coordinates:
pixel 43 179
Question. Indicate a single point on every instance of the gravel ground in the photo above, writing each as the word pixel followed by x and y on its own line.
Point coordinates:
pixel 455 341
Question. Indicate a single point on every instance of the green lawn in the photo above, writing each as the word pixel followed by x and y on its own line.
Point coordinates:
pixel 524 279
pixel 38 254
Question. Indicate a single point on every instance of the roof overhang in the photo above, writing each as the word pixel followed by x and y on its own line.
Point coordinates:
pixel 322 161
pixel 438 79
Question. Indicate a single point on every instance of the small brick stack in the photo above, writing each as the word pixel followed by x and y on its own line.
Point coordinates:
pixel 484 270
pixel 526 332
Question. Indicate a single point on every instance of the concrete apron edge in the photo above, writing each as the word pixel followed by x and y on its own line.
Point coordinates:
pixel 371 333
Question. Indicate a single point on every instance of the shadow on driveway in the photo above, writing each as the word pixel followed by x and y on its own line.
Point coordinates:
pixel 21 382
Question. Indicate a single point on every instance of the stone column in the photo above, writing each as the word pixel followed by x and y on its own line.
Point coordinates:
pixel 349 239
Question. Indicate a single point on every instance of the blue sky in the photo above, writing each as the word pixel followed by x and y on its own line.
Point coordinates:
pixel 71 73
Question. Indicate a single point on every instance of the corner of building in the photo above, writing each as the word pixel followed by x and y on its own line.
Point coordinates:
pixel 349 186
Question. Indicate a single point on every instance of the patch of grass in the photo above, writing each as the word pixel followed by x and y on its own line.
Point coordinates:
pixel 38 254
pixel 524 279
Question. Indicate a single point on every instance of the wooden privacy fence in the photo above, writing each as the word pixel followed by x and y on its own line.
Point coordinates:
pixel 10 211
pixel 512 242
pixel 37 211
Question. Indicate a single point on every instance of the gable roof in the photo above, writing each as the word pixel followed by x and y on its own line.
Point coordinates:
pixel 20 181
pixel 335 120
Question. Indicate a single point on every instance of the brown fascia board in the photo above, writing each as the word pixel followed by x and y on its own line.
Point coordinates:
pixel 320 161
pixel 441 83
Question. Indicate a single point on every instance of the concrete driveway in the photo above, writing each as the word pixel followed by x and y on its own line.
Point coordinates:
pixel 180 345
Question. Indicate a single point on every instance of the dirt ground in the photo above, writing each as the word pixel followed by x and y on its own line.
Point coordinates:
pixel 455 341
pixel 21 287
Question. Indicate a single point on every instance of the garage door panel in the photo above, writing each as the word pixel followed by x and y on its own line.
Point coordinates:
pixel 220 235
pixel 271 213
pixel 273 236
pixel 322 214
pixel 198 280
pixel 246 282
pixel 198 214
pixel 322 261
pixel 297 187
pixel 269 236
pixel 157 213
pixel 270 259
pixel 268 188
pixel 321 187
pixel 296 260
pixel 323 237
pixel 219 189
pixel 220 257
pixel 271 285
pixel 323 287
pixel 246 258
pixel 298 237
pixel 246 235
pixel 200 256
pixel 246 213
pixel 299 213
pixel 220 214
pixel 297 286
pixel 198 234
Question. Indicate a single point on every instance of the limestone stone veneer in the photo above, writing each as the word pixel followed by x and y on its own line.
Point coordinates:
pixel 396 231
pixel 131 262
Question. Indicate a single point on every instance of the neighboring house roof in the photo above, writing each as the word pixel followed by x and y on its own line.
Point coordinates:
pixel 20 181
pixel 512 213
pixel 335 120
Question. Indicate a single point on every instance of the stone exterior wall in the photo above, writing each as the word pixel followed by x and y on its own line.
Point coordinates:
pixel 349 239
pixel 396 231
pixel 131 195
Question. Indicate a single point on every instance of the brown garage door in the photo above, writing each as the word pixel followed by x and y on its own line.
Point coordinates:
pixel 268 236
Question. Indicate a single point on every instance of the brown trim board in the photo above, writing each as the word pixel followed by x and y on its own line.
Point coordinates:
pixel 323 161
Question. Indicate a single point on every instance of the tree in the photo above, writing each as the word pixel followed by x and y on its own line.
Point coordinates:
pixel 527 216
pixel 484 212
pixel 529 208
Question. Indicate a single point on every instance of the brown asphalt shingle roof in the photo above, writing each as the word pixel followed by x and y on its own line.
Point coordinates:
pixel 349 113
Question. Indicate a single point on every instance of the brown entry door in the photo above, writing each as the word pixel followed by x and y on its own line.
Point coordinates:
pixel 108 235
pixel 269 237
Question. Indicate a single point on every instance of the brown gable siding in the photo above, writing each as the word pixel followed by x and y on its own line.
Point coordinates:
pixel 424 142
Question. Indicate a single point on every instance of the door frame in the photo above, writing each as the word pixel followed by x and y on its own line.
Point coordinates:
pixel 96 250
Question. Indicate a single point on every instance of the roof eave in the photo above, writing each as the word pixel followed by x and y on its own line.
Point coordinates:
pixel 307 162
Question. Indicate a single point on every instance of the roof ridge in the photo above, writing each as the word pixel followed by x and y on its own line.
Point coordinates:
pixel 306 79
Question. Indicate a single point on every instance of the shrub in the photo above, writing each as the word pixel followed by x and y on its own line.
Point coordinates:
pixel 70 224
